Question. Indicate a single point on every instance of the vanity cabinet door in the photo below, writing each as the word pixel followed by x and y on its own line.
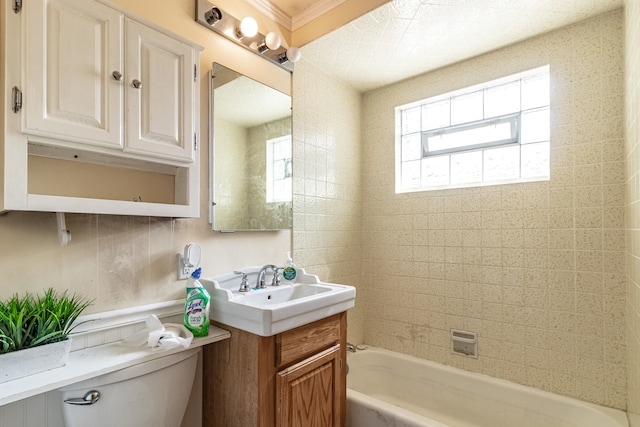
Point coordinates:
pixel 160 78
pixel 72 50
pixel 308 392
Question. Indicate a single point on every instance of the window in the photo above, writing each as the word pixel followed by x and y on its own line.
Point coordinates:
pixel 279 169
pixel 493 133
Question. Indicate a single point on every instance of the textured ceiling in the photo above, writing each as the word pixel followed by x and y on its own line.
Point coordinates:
pixel 404 38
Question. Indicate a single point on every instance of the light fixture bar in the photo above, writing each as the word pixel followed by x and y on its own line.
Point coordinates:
pixel 214 18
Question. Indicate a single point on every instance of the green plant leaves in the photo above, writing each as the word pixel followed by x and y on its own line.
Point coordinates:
pixel 32 321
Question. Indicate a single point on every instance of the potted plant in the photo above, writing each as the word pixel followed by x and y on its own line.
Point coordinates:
pixel 34 332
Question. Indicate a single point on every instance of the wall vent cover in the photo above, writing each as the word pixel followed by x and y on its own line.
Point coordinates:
pixel 464 343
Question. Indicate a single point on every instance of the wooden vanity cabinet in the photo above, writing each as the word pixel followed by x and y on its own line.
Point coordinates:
pixel 294 379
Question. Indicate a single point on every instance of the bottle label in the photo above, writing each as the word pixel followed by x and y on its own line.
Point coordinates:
pixel 195 305
pixel 196 312
pixel 289 273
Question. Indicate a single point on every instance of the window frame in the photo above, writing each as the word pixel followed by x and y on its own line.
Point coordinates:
pixel 427 149
pixel 513 119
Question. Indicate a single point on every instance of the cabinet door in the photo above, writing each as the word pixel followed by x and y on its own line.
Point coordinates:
pixel 72 49
pixel 309 392
pixel 159 94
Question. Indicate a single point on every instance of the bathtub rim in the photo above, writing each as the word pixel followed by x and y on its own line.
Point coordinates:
pixel 617 415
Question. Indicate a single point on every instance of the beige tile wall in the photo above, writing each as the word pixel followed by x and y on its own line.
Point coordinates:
pixel 327 182
pixel 536 269
pixel 632 123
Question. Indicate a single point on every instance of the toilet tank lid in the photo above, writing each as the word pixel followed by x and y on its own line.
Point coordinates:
pixel 140 369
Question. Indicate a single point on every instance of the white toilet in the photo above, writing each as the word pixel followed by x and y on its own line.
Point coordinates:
pixel 150 394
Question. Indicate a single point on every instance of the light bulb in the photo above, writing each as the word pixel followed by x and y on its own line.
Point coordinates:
pixel 271 42
pixel 292 54
pixel 248 27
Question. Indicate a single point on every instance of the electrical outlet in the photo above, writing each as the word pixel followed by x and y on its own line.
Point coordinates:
pixel 184 271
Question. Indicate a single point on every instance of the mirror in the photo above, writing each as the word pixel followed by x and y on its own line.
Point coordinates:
pixel 251 169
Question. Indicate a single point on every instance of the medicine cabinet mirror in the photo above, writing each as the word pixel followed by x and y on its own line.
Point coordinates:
pixel 251 170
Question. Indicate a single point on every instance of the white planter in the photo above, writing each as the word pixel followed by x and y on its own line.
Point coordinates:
pixel 22 363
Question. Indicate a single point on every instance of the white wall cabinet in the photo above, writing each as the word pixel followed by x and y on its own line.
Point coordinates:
pixel 159 94
pixel 104 96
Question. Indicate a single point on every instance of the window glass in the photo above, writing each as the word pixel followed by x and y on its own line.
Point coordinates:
pixel 411 147
pixel 466 108
pixel 535 160
pixel 436 115
pixel 435 171
pixel 535 125
pixel 411 120
pixel 535 91
pixel 466 167
pixel 502 163
pixel 279 179
pixel 501 100
pixel 411 174
pixel 498 132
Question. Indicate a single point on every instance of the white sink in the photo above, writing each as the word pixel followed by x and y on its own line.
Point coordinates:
pixel 275 309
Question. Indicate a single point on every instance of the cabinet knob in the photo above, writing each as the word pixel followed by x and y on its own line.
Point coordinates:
pixel 116 75
pixel 137 84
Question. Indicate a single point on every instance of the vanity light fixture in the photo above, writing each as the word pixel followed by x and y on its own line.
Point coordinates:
pixel 246 34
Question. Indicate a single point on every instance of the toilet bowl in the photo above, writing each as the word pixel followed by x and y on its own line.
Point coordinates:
pixel 150 394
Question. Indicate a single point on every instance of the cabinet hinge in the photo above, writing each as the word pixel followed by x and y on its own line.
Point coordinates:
pixel 195 72
pixel 195 142
pixel 17 6
pixel 16 98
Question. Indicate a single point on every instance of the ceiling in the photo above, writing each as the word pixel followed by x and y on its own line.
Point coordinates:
pixel 296 7
pixel 404 38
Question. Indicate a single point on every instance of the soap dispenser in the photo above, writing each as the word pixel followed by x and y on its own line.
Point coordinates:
pixel 289 272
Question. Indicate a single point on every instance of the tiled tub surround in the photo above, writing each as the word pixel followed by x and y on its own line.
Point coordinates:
pixel 33 401
pixel 536 269
pixel 632 129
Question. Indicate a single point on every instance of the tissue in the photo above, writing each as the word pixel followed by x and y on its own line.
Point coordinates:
pixel 159 336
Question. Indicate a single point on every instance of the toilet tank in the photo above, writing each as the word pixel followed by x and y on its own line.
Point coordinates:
pixel 150 394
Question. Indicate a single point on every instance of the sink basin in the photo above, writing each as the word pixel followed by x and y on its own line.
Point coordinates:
pixel 275 309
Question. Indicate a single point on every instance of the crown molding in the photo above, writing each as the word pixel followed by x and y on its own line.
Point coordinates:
pixel 272 12
pixel 292 23
pixel 314 11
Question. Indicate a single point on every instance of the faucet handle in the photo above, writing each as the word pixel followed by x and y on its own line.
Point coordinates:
pixel 244 284
pixel 276 277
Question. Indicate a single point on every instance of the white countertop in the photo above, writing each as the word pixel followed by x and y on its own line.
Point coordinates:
pixel 91 362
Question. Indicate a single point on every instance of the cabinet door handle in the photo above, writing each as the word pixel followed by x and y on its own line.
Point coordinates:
pixel 117 76
pixel 137 84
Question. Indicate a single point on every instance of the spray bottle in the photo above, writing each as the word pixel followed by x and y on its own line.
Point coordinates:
pixel 196 307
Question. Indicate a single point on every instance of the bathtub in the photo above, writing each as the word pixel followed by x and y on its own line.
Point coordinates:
pixel 392 389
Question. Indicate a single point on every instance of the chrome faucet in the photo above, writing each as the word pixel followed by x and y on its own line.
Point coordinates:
pixel 263 270
pixel 351 348
pixel 244 284
pixel 276 277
